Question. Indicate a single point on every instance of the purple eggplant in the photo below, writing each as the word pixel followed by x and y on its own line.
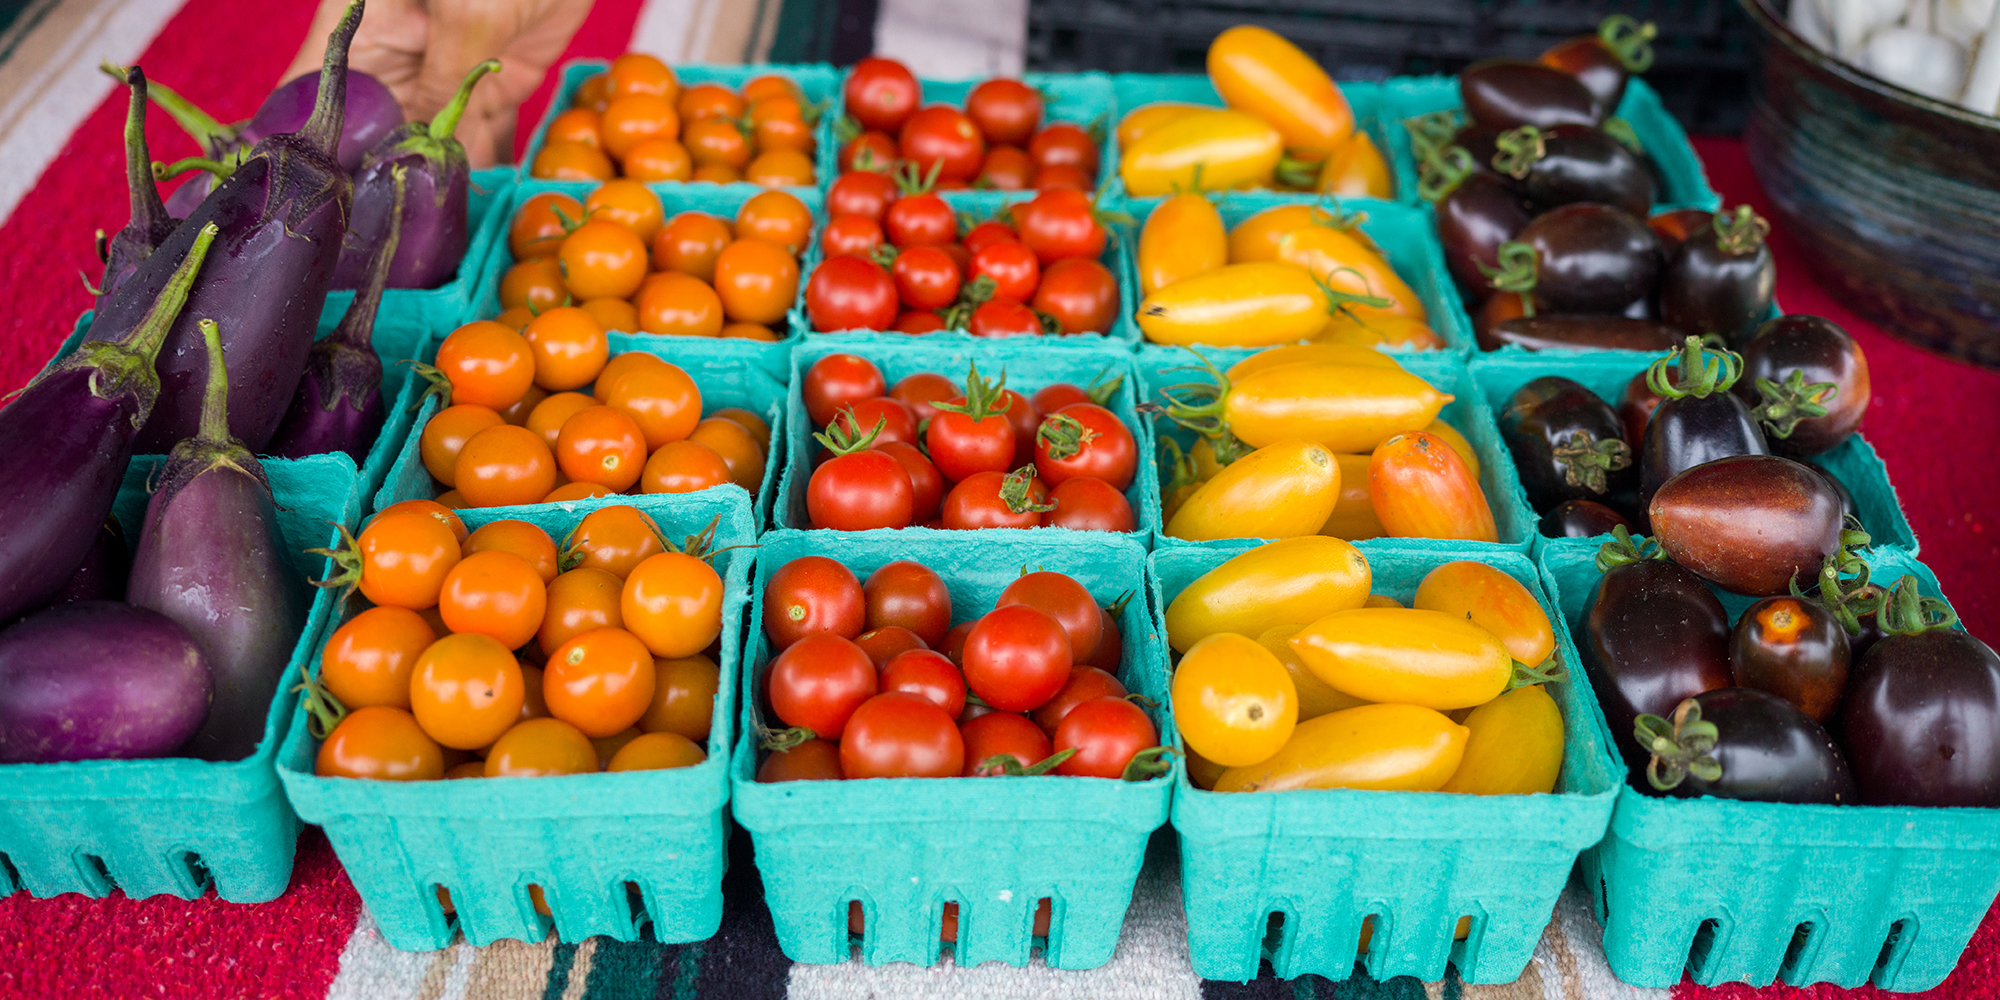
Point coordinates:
pixel 223 147
pixel 105 566
pixel 433 213
pixel 281 216
pixel 150 225
pixel 372 113
pixel 65 442
pixel 211 558
pixel 339 403
pixel 98 679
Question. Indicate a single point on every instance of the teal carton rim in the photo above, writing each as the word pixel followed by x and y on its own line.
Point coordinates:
pixel 1757 892
pixel 1160 367
pixel 1289 877
pixel 1854 462
pixel 904 847
pixel 177 826
pixel 1027 369
pixel 410 315
pixel 587 841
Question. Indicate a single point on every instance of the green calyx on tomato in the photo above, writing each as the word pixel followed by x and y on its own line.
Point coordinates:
pixel 1624 550
pixel 909 182
pixel 971 295
pixel 1519 272
pixel 1064 435
pixel 323 710
pixel 1701 372
pixel 1432 133
pixel 1902 611
pixel 1149 763
pixel 1205 418
pixel 782 740
pixel 842 438
pixel 1017 492
pixel 982 398
pixel 1628 39
pixel 1788 402
pixel 1519 149
pixel 1587 462
pixel 1843 584
pixel 1008 765
pixel 1546 672
pixel 1442 171
pixel 1679 748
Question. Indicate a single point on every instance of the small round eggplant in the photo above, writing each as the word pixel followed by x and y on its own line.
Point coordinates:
pixel 1697 420
pixel 1721 279
pixel 1654 636
pixel 1809 382
pixel 1792 647
pixel 1585 332
pixel 1510 93
pixel 1564 164
pixel 1673 227
pixel 1750 524
pixel 1566 442
pixel 1582 519
pixel 1590 259
pixel 102 575
pixel 90 680
pixel 1605 61
pixel 1922 719
pixel 1741 743
pixel 1635 407
pixel 1476 213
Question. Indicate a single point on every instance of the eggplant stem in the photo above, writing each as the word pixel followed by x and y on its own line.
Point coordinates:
pixel 1519 150
pixel 214 426
pixel 1586 460
pixel 127 364
pixel 221 169
pixel 147 208
pixel 1629 40
pixel 1702 372
pixel 1624 550
pixel 1679 748
pixel 198 124
pixel 446 122
pixel 1443 171
pixel 322 130
pixel 357 325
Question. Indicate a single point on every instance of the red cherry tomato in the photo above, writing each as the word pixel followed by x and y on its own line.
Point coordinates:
pixel 880 93
pixel 1016 658
pixel 995 733
pixel 858 235
pixel 1107 733
pixel 869 151
pixel 1056 395
pixel 1013 268
pixel 917 321
pixel 920 220
pixel 1085 439
pixel 1061 177
pixel 859 419
pixel 1059 596
pixel 1026 421
pixel 1080 293
pixel 1004 318
pixel 858 491
pixel 818 681
pixel 944 139
pixel 1007 168
pixel 813 760
pixel 1006 110
pixel 898 735
pixel 1110 649
pixel 986 234
pixel 961 445
pixel 981 501
pixel 953 646
pixel 850 293
pixel 1059 224
pixel 1064 144
pixel 926 485
pixel 861 192
pixel 1084 684
pixel 1086 504
pixel 922 389
pixel 839 380
pixel 812 595
pixel 886 643
pixel 929 675
pixel 909 595
pixel 926 277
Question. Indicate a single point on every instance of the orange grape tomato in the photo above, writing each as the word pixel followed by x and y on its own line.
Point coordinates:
pixel 683 467
pixel 613 314
pixel 515 319
pixel 749 331
pixel 656 752
pixel 494 593
pixel 778 218
pixel 578 125
pixel 380 742
pixel 474 768
pixel 1495 602
pixel 1420 488
pixel 548 417
pixel 571 161
pixel 368 660
pixel 756 281
pixel 769 85
pixel 662 399
pixel 487 364
pixel 628 203
pixel 613 539
pixel 570 348
pixel 404 559
pixel 503 466
pixel 636 118
pixel 683 697
pixel 779 122
pixel 602 259
pixel 521 538
pixel 445 435
pixel 607 747
pixel 779 168
pixel 446 514
pixel 690 242
pixel 674 304
pixel 580 600
pixel 594 93
pixel 518 413
pixel 638 73
pixel 540 224
pixel 600 682
pixel 570 492
pixel 708 100
pixel 673 603
pixel 601 445
pixel 751 422
pixel 540 748
pixel 658 159
pixel 466 690
pixel 535 285
pixel 619 365
pixel 716 142
pixel 739 451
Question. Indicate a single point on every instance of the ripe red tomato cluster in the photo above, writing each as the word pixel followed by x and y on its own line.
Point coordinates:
pixel 926 453
pixel 895 261
pixel 878 683
pixel 996 141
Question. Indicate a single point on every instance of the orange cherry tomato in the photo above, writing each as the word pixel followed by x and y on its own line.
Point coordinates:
pixel 683 697
pixel 515 319
pixel 533 705
pixel 656 752
pixel 658 159
pixel 443 512
pixel 571 161
pixel 594 93
pixel 445 435
pixel 607 747
pixel 540 224
pixel 503 466
pixel 630 204
pixel 466 690
pixel 474 768
pixel 570 348
pixel 738 450
pixel 569 492
pixel 779 122
pixel 661 399
pixel 580 600
pixel 1420 488
pixel 674 304
pixel 578 125
pixel 690 243
pixel 619 365
pixel 776 217
pixel 517 414
pixel 601 445
pixel 638 73
pixel 521 538
pixel 613 314
pixel 751 422
pixel 535 285
pixel 380 742
pixel 683 467
pixel 716 142
pixel 547 418
pixel 749 331
pixel 673 603
pixel 368 660
pixel 780 168
pixel 635 118
pixel 715 173
pixel 757 281
pixel 613 539
pixel 487 364
pixel 769 85
pixel 540 748
pixel 600 682
pixel 494 593
pixel 602 259
pixel 404 558
pixel 708 100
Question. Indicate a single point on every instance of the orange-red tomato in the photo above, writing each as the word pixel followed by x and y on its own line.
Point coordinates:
pixel 580 600
pixel 521 538
pixel 607 747
pixel 751 422
pixel 539 748
pixel 601 445
pixel 674 304
pixel 715 142
pixel 757 281
pixel 404 559
pixel 578 125
pixel 443 512
pixel 487 364
pixel 547 418
pixel 777 168
pixel 517 414
pixel 379 742
pixel 613 314
pixel 602 259
pixel 600 682
pixel 779 122
pixel 708 100
pixel 368 660
pixel 515 319
pixel 762 88
pixel 630 204
pixel 570 348
pixel 571 161
pixel 636 118
pixel 638 73
pixel 738 450
pixel 534 285
pixel 1420 488
pixel 466 690
pixel 673 603
pixel 613 539
pixel 683 697
pixel 540 224
pixel 1493 601
pixel 504 465
pixel 594 93
pixel 661 399
pixel 659 159
pixel 778 218
pixel 445 435
pixel 690 242
pixel 656 752
pixel 619 365
pixel 683 467
pixel 494 593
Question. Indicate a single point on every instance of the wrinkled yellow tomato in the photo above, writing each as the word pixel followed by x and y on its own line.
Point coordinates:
pixel 1310 354
pixel 1495 602
pixel 1345 408
pixel 1346 264
pixel 1233 701
pixel 1257 70
pixel 1316 697
pixel 1406 655
pixel 1356 170
pixel 1291 581
pixel 1146 118
pixel 1421 489
pixel 1280 491
pixel 1238 305
pixel 1516 747
pixel 1397 748
pixel 1204 150
pixel 1183 237
pixel 1353 516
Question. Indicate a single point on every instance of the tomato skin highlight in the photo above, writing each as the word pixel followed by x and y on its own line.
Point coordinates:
pixel 1406 655
pixel 860 491
pixel 819 681
pixel 928 675
pixel 898 735
pixel 1405 748
pixel 1233 701
pixel 1184 236
pixel 995 733
pixel 812 594
pixel 1258 70
pixel 1085 439
pixel 1232 149
pixel 850 293
pixel 1291 402
pixel 912 596
pixel 1016 658
pixel 1088 504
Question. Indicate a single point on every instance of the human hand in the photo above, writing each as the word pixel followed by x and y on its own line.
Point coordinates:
pixel 422 50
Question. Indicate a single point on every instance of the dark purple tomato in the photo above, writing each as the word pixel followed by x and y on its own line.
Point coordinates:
pixel 1792 647
pixel 1750 524
pixel 1721 278
pixel 1566 442
pixel 1591 259
pixel 1476 213
pixel 1654 636
pixel 1565 164
pixel 1603 62
pixel 1581 332
pixel 1848 508
pixel 1581 519
pixel 1764 750
pixel 1510 93
pixel 1672 227
pixel 1698 421
pixel 1809 381
pixel 1922 721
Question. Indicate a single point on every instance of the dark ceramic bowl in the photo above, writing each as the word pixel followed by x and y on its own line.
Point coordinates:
pixel 1895 196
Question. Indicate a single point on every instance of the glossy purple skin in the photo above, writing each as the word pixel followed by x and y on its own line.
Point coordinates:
pixel 1654 635
pixel 322 418
pixel 434 235
pixel 372 112
pixel 1769 751
pixel 63 452
pixel 1472 221
pixel 97 679
pixel 1922 721
pixel 1591 258
pixel 1695 430
pixel 105 566
pixel 1509 93
pixel 189 195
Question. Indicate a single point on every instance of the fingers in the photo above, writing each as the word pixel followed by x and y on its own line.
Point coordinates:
pixel 388 45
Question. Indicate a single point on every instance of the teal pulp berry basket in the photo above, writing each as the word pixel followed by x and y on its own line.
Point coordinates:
pixel 1679 181
pixel 722 201
pixel 176 826
pixel 1291 877
pixel 1160 367
pixel 410 316
pixel 611 853
pixel 1757 892
pixel 1605 373
pixel 1136 90
pixel 904 847
pixel 1406 235
pixel 1027 368
pixel 724 375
